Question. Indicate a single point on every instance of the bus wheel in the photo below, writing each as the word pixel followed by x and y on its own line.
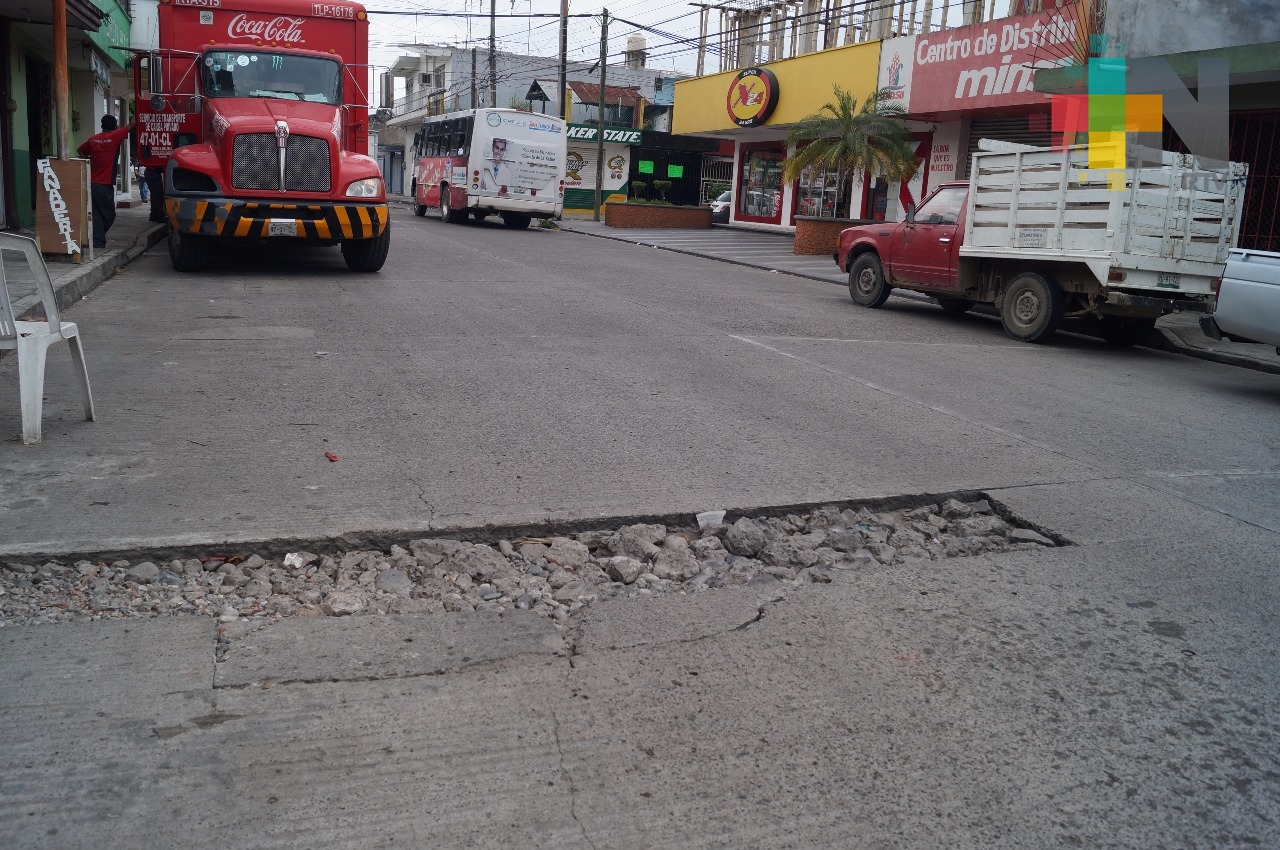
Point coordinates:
pixel 187 251
pixel 367 255
pixel 447 213
pixel 418 209
pixel 479 215
pixel 516 221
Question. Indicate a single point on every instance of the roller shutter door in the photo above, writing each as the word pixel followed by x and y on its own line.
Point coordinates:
pixel 1022 129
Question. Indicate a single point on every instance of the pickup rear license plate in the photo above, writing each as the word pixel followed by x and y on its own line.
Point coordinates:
pixel 282 227
pixel 1168 280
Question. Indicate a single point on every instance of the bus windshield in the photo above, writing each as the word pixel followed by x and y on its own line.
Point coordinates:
pixel 247 73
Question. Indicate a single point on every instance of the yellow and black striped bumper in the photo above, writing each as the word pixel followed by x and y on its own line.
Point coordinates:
pixel 252 219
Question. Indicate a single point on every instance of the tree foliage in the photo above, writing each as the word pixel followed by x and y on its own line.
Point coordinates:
pixel 845 138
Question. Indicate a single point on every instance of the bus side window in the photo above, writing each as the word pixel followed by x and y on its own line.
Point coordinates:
pixel 468 124
pixel 433 140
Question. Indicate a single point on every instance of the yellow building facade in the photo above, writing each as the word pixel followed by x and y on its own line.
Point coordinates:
pixel 756 107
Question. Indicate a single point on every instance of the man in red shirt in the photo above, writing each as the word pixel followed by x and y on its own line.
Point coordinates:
pixel 102 150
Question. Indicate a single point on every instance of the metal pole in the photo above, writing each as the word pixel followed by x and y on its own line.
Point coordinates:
pixel 475 94
pixel 61 100
pixel 493 39
pixel 561 98
pixel 604 56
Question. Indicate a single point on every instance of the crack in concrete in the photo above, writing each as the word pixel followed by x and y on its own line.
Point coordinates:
pixel 422 497
pixel 490 664
pixel 573 788
pixel 761 611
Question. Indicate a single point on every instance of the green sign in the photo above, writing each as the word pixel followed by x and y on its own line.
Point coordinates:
pixel 587 133
pixel 113 35
pixel 675 170
pixel 645 166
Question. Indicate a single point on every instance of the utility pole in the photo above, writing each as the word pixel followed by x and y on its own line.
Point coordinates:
pixel 475 94
pixel 562 98
pixel 703 11
pixel 604 63
pixel 60 89
pixel 493 40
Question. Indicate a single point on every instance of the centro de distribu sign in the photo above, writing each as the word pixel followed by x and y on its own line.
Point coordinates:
pixel 752 96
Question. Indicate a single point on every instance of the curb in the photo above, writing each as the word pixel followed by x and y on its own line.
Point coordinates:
pixel 1171 342
pixel 96 273
pixel 715 257
pixel 1164 340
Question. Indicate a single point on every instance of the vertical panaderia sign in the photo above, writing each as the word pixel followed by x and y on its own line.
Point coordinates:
pixel 62 206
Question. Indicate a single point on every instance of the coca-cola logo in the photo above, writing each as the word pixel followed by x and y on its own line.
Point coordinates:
pixel 285 29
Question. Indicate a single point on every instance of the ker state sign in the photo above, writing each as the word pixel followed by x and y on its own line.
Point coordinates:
pixel 587 133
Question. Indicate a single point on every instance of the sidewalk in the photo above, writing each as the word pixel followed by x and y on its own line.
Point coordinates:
pixel 1178 332
pixel 130 236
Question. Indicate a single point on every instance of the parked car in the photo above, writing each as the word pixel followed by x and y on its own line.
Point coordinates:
pixel 720 207
pixel 1248 307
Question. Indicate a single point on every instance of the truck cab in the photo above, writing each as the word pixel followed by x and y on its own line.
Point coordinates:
pixel 263 138
pixel 918 253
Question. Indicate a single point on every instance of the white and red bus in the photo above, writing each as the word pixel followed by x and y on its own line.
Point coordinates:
pixel 482 162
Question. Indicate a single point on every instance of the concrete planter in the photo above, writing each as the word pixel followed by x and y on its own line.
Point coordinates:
pixel 649 215
pixel 819 235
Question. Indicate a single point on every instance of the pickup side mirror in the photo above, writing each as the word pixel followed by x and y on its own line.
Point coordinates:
pixel 911 213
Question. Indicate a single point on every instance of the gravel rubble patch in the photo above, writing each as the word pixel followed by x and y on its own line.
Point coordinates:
pixel 553 576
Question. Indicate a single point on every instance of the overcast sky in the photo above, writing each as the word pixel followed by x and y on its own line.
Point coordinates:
pixel 536 36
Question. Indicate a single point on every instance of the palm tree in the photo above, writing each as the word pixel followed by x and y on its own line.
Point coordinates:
pixel 846 139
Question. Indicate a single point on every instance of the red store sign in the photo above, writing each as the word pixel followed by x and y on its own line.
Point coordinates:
pixel 978 67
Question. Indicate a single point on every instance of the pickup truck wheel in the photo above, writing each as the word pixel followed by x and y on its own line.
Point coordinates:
pixel 187 251
pixel 1031 308
pixel 956 306
pixel 867 286
pixel 367 255
pixel 1124 333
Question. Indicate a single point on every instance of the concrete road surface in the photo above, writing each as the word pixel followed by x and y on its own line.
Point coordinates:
pixel 1118 692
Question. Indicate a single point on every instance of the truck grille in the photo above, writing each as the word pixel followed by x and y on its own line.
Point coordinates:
pixel 255 163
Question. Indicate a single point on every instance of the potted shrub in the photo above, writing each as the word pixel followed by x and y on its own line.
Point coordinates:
pixel 845 138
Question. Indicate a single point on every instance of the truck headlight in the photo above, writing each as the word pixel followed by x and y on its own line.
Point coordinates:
pixel 370 187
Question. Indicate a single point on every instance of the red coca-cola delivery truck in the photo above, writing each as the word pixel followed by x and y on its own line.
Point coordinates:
pixel 257 112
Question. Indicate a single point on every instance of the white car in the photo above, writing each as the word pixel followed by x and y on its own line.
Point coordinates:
pixel 720 207
pixel 1248 308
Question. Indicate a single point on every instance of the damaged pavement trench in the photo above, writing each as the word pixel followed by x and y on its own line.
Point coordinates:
pixel 818 715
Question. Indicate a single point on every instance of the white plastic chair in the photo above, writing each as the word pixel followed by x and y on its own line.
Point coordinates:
pixel 32 339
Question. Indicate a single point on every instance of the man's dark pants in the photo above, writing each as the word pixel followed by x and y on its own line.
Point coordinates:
pixel 104 212
pixel 155 185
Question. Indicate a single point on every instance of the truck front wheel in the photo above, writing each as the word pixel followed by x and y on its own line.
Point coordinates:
pixel 367 255
pixel 867 285
pixel 187 251
pixel 1031 308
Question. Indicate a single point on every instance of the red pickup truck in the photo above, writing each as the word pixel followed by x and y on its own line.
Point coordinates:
pixel 1046 239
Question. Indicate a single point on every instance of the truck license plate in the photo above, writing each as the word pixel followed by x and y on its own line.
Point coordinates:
pixel 1168 280
pixel 282 227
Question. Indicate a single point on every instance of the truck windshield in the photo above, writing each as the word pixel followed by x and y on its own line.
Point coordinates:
pixel 245 73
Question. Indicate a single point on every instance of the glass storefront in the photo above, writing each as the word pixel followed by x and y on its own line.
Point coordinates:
pixel 822 193
pixel 759 193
